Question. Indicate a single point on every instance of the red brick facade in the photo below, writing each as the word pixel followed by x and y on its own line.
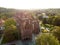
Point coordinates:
pixel 27 25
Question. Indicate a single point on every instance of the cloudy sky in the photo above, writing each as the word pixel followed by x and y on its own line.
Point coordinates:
pixel 30 4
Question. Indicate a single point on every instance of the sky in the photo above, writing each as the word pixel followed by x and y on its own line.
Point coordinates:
pixel 30 4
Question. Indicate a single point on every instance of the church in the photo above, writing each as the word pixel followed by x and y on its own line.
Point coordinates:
pixel 27 25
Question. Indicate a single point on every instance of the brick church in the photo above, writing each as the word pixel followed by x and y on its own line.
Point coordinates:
pixel 27 25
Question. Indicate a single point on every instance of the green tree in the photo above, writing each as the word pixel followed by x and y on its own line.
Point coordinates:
pixel 46 39
pixel 10 32
pixel 56 21
pixel 10 24
pixel 56 32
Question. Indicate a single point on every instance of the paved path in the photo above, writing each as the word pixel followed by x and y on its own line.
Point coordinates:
pixel 1 38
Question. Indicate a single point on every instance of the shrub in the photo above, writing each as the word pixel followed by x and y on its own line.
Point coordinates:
pixel 46 39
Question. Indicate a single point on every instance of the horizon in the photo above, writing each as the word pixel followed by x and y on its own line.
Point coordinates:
pixel 30 4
